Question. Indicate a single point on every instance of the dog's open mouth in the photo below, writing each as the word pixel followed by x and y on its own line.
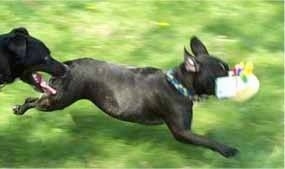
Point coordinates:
pixel 42 84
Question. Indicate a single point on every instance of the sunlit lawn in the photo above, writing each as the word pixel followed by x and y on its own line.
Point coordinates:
pixel 148 33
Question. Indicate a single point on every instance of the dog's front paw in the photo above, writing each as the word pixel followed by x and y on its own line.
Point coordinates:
pixel 229 152
pixel 17 109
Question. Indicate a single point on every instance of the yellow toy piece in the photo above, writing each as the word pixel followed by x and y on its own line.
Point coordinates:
pixel 248 68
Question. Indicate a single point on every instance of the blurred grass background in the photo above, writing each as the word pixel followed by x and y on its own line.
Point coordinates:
pixel 150 33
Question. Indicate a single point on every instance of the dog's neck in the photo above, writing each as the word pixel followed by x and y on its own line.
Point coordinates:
pixel 187 80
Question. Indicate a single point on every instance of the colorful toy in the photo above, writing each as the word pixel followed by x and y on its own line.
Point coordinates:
pixel 240 85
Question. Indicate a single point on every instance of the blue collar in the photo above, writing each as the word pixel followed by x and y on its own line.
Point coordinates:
pixel 178 86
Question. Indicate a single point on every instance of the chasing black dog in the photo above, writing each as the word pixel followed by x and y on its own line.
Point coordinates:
pixel 143 95
pixel 21 55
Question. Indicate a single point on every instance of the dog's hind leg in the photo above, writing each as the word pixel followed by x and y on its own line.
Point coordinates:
pixel 179 132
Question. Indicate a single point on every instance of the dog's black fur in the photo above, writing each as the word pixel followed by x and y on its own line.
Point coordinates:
pixel 21 55
pixel 141 95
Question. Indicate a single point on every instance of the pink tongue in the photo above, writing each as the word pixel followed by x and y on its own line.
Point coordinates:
pixel 43 84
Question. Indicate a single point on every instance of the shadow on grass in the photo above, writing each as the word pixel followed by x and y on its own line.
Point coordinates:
pixel 93 135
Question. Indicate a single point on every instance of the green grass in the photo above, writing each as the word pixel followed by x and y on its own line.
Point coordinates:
pixel 151 33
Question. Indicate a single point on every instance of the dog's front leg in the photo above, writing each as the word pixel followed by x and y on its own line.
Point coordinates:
pixel 187 120
pixel 180 133
pixel 29 103
pixel 41 103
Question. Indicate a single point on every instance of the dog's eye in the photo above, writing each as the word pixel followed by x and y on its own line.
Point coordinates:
pixel 222 66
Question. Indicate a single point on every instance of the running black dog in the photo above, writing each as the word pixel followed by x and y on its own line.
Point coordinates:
pixel 142 95
pixel 21 55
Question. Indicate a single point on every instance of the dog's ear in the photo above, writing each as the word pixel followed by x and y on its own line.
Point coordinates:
pixel 190 62
pixel 20 30
pixel 17 43
pixel 197 47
